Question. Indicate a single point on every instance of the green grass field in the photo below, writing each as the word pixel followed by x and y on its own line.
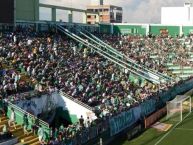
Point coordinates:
pixel 182 134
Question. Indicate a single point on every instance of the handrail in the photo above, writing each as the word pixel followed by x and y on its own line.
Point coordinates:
pixel 131 61
pixel 89 45
pixel 75 37
pixel 25 112
pixel 121 55
pixel 76 101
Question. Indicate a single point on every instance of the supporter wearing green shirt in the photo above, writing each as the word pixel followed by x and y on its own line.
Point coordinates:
pixel 2 112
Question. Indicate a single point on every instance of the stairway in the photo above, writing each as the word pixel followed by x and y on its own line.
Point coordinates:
pixel 18 133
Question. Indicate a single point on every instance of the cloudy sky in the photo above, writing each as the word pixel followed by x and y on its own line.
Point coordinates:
pixel 134 11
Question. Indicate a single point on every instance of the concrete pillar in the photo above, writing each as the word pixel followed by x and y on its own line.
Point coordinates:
pixel 15 16
pixel 181 30
pixel 54 14
pixel 147 29
pixel 112 28
pixel 37 10
pixel 85 18
pixel 70 16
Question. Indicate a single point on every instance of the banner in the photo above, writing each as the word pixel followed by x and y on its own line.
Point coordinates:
pixel 147 107
pixel 123 120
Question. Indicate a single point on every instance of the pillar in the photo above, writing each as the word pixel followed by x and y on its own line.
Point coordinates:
pixel 70 16
pixel 181 30
pixel 37 10
pixel 15 16
pixel 54 14
pixel 112 28
pixel 147 29
pixel 85 18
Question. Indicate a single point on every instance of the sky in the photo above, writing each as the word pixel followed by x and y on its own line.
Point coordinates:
pixel 134 11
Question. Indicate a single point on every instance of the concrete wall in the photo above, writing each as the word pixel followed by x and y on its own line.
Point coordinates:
pixel 133 29
pixel 71 110
pixel 172 30
pixel 75 108
pixel 105 28
pixel 187 30
pixel 39 104
pixel 145 29
pixel 27 10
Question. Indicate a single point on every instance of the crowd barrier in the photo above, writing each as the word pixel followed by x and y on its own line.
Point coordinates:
pixel 124 120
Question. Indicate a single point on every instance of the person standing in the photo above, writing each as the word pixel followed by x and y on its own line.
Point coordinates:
pixel 25 123
pixel 81 121
pixel 40 134
pixel 12 118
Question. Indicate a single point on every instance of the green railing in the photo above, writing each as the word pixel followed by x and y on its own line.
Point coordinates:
pixel 19 117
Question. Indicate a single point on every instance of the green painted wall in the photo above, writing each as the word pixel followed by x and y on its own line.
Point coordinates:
pixel 129 29
pixel 105 28
pixel 19 118
pixel 27 10
pixel 172 30
pixel 187 30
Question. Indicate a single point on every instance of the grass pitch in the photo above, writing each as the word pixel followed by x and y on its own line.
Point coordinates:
pixel 182 134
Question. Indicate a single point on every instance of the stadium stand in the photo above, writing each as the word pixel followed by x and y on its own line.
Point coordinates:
pixel 33 64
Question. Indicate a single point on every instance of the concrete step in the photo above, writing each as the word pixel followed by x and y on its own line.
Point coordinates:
pixel 3 118
pixel 18 133
pixel 31 141
pixel 16 130
pixel 4 122
pixel 13 127
pixel 36 143
pixel 28 138
pixel 24 136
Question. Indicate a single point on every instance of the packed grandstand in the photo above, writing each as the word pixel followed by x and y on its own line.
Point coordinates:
pixel 33 64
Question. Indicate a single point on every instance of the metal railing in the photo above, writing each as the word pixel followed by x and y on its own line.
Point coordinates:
pixel 123 57
pixel 108 56
pixel 76 101
pixel 163 76
pixel 15 107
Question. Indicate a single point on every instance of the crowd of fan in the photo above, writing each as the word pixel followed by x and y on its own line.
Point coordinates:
pixel 53 62
pixel 173 50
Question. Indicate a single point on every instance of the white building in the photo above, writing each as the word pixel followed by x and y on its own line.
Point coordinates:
pixel 96 2
pixel 177 15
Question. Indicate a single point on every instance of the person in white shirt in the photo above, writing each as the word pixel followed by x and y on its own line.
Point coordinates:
pixel 40 134
pixel 74 49
pixel 12 118
pixel 14 38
